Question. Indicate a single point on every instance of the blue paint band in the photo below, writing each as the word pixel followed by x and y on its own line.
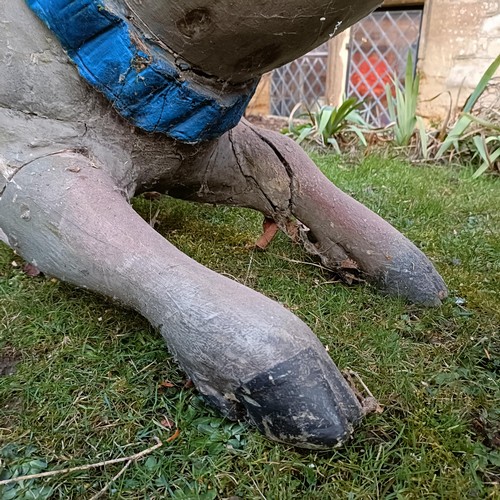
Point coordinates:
pixel 143 85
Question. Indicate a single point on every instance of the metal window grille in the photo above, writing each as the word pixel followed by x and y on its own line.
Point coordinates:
pixel 378 51
pixel 302 80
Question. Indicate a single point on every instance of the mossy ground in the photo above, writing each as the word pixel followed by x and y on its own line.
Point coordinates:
pixel 87 385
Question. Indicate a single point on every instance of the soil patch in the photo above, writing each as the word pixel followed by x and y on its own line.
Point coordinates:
pixel 8 361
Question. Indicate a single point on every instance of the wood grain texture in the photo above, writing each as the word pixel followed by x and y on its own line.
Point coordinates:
pixel 239 40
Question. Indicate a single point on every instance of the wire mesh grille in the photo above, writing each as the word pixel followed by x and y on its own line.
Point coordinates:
pixel 302 80
pixel 378 51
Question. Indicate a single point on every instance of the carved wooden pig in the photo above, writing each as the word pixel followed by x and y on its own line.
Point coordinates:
pixel 104 99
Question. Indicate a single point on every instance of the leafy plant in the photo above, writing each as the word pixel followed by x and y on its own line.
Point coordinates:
pixel 402 106
pixel 484 138
pixel 472 137
pixel 16 461
pixel 327 125
pixel 488 149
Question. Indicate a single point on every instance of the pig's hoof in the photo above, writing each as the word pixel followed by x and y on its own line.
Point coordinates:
pixel 412 276
pixel 302 402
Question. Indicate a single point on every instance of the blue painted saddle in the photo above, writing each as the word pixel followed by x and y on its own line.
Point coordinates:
pixel 142 80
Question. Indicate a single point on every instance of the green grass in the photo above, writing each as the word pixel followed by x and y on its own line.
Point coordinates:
pixel 86 387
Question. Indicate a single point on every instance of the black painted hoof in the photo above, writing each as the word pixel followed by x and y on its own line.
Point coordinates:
pixel 304 401
pixel 412 276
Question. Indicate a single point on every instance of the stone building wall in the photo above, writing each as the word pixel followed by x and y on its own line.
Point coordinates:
pixel 460 39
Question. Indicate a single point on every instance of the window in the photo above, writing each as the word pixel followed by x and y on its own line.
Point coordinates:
pixel 378 51
pixel 302 80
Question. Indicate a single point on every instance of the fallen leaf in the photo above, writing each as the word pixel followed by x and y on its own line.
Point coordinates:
pixel 175 435
pixel 167 423
pixel 349 264
pixel 292 229
pixel 270 228
pixel 167 384
pixel 188 384
pixel 151 195
pixel 349 278
pixel 31 270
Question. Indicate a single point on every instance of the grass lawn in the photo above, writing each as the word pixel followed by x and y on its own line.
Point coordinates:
pixel 90 382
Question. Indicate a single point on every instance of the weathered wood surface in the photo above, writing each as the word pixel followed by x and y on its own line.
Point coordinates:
pixel 237 41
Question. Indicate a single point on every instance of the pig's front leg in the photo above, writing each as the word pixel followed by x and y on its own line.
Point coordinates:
pixel 246 353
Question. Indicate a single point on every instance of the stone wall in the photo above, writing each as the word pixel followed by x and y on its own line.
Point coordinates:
pixel 460 39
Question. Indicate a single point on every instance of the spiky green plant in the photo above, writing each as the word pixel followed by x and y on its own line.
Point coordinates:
pixel 326 125
pixel 402 106
pixel 485 138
